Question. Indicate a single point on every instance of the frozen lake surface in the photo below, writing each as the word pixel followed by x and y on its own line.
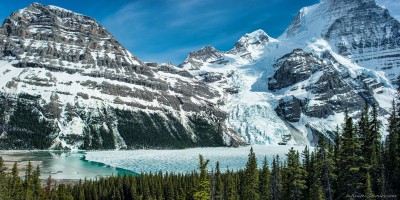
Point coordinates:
pixel 186 160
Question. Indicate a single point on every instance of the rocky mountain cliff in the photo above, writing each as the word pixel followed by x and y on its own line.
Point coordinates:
pixel 359 30
pixel 335 55
pixel 66 82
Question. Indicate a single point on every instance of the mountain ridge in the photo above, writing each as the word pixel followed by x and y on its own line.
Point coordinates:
pixel 259 91
pixel 68 72
pixel 313 110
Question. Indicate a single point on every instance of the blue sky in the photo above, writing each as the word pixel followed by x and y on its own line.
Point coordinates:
pixel 167 30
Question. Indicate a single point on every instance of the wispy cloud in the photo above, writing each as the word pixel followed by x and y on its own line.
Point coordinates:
pixel 155 29
pixel 153 23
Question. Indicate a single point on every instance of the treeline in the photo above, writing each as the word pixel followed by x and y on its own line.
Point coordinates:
pixel 357 164
pixel 25 128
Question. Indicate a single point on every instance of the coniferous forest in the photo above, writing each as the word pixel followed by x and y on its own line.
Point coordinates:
pixel 358 164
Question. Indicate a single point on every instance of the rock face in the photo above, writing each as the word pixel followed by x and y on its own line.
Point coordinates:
pixel 360 30
pixel 327 91
pixel 290 108
pixel 335 55
pixel 67 83
pixel 207 54
pixel 251 42
pixel 80 88
pixel 374 38
pixel 293 68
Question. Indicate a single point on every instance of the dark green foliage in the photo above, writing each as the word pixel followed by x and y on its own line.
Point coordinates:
pixel 309 166
pixel 3 180
pixel 107 136
pixel 28 182
pixel 350 175
pixel 286 180
pixel 208 134
pixel 15 184
pixel 265 183
pixel 368 191
pixel 294 176
pixel 3 108
pixel 229 187
pixel 37 189
pixel 374 152
pixel 27 129
pixel 276 179
pixel 140 129
pixel 392 154
pixel 323 170
pixel 218 184
pixel 203 189
pixel 251 178
pixel 33 125
pixel 358 163
pixel 29 97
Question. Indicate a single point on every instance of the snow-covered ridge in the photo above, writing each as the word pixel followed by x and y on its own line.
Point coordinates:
pixel 336 54
pixel 88 88
pixel 306 95
pixel 247 48
pixel 360 30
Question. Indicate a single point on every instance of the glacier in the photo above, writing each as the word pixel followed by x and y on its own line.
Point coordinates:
pixel 248 66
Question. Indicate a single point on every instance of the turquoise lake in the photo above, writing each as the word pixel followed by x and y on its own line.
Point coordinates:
pixel 64 165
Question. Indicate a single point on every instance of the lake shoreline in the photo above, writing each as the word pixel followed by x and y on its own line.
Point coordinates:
pixel 63 166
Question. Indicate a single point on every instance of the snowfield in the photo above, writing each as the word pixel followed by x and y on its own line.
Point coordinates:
pixel 186 160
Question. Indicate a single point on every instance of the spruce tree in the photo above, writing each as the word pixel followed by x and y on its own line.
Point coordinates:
pixel 170 193
pixel 3 180
pixel 48 186
pixel 203 189
pixel 265 183
pixel 16 187
pixel 364 130
pixel 336 168
pixel 307 165
pixel 369 194
pixel 374 154
pixel 28 182
pixel 37 189
pixel 251 182
pixel 350 177
pixel 316 191
pixel 294 176
pixel 229 187
pixel 276 179
pixel 219 186
pixel 324 168
pixel 392 154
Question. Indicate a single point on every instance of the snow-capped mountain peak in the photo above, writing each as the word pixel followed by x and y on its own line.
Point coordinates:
pixel 335 54
pixel 357 29
pixel 246 49
pixel 69 73
pixel 68 70
pixel 196 59
pixel 252 42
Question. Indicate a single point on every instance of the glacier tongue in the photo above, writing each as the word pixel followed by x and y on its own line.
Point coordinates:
pixel 312 106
